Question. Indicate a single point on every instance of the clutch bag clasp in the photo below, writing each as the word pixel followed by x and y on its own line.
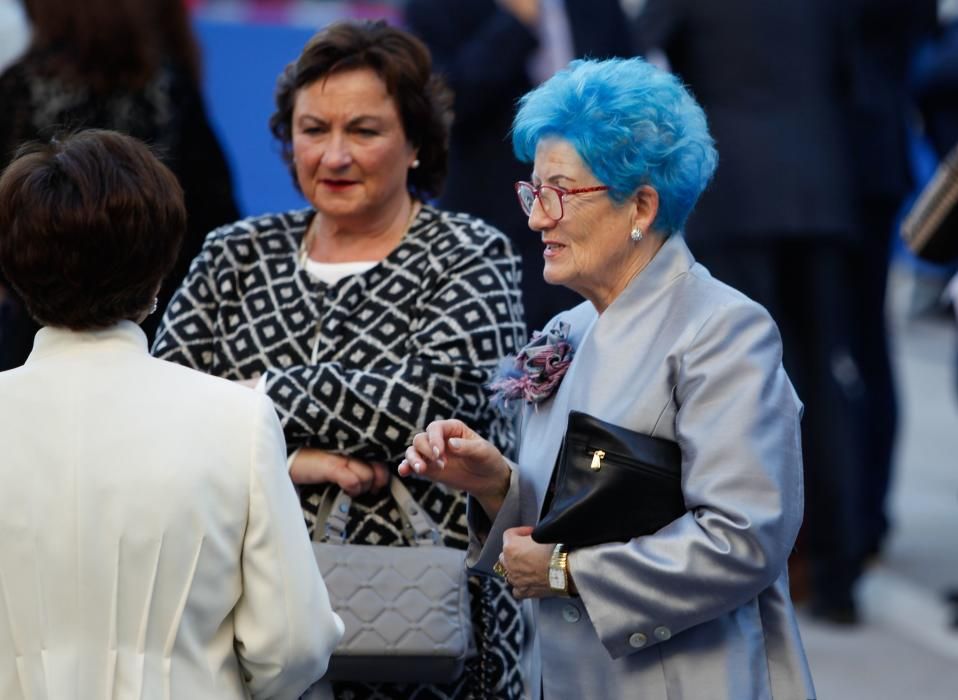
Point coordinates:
pixel 597 460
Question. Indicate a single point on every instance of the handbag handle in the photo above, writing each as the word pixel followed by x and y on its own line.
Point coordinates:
pixel 420 528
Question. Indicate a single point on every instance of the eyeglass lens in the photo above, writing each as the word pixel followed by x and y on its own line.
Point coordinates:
pixel 548 198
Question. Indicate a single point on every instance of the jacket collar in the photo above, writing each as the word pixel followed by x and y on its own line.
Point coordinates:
pixel 124 336
pixel 673 260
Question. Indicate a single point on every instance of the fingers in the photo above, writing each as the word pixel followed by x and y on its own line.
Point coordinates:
pixel 347 481
pixel 519 591
pixel 428 451
pixel 364 476
pixel 439 432
pixel 424 456
pixel 312 466
pixel 354 476
pixel 510 536
pixel 451 442
pixel 431 443
pixel 474 449
pixel 381 476
pixel 500 569
pixel 414 462
pixel 404 468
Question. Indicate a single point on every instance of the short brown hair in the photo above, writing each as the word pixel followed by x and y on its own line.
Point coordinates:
pixel 89 225
pixel 403 63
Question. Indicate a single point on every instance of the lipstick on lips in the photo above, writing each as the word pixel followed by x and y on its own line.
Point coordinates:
pixel 338 184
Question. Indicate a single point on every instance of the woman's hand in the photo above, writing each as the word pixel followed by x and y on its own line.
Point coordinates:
pixel 453 454
pixel 526 563
pixel 355 477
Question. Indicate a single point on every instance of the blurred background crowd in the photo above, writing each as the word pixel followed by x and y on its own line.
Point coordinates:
pixel 829 116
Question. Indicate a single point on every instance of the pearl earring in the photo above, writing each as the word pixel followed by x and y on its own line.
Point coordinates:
pixel 636 234
pixel 415 164
pixel 156 303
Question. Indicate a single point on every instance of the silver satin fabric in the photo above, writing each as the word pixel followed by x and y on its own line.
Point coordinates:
pixel 680 356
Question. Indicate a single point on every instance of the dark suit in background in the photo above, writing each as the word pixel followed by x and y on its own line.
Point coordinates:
pixel 779 223
pixel 483 51
pixel 886 34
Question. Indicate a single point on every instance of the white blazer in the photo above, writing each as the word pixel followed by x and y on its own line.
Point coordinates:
pixel 151 542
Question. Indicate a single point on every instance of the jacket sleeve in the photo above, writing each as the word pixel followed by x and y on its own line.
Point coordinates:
pixel 737 424
pixel 469 317
pixel 485 536
pixel 284 627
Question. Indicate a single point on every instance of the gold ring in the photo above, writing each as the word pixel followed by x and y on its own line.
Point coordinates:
pixel 499 569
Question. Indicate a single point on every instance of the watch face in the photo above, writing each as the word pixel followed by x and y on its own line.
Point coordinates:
pixel 556 579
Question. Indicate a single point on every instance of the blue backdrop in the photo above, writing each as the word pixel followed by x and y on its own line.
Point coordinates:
pixel 241 62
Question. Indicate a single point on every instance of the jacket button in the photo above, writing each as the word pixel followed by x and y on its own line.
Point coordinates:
pixel 637 640
pixel 662 633
pixel 570 613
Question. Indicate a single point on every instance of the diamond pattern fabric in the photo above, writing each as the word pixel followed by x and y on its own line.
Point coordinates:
pixel 360 366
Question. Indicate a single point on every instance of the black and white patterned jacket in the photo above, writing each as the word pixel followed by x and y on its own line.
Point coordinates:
pixel 359 366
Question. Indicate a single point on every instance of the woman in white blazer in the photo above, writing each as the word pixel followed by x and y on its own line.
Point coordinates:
pixel 151 543
pixel 698 608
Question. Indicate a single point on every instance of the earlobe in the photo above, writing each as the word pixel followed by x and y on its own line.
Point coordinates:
pixel 646 201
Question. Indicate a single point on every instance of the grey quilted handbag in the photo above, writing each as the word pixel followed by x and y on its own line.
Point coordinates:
pixel 406 609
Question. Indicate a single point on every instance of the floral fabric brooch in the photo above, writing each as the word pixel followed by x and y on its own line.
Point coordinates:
pixel 535 373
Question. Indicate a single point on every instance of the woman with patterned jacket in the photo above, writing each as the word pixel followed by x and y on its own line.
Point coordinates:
pixel 368 313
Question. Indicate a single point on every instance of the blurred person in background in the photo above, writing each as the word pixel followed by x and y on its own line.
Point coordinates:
pixel 128 65
pixel 366 312
pixel 698 606
pixel 780 224
pixel 885 36
pixel 491 52
pixel 14 32
pixel 934 82
pixel 133 566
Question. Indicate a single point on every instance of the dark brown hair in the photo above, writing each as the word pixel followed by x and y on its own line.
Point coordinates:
pixel 89 226
pixel 109 44
pixel 403 63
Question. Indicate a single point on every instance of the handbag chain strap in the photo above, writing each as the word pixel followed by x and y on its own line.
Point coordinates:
pixel 418 526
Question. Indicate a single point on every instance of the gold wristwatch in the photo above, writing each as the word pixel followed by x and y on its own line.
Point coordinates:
pixel 559 570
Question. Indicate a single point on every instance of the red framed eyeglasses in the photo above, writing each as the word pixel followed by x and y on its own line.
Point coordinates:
pixel 550 197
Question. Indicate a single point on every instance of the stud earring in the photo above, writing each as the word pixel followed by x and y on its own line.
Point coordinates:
pixel 156 303
pixel 415 164
pixel 636 234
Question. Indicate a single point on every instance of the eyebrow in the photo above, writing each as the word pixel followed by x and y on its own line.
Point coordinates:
pixel 554 179
pixel 355 121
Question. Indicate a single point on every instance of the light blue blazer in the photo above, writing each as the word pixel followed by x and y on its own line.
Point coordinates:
pixel 700 609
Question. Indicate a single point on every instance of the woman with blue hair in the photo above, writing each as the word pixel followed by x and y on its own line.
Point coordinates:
pixel 694 603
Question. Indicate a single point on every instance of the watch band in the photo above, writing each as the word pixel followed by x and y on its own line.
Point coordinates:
pixel 559 570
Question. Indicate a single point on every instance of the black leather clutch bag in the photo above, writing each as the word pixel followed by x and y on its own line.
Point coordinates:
pixel 610 484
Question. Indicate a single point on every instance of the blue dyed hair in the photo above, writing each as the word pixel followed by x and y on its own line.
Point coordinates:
pixel 632 124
